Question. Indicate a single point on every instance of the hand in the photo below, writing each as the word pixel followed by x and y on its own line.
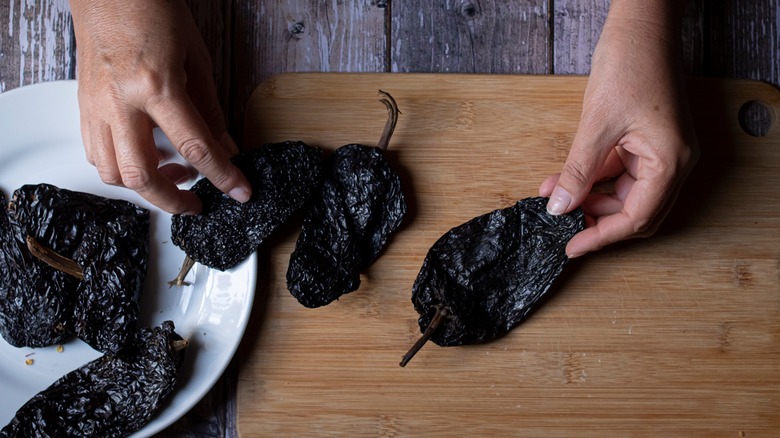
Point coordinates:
pixel 635 131
pixel 142 64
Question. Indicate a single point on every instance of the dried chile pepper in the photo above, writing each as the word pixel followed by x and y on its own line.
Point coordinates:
pixel 349 220
pixel 111 396
pixel 35 299
pixel 71 263
pixel 226 232
pixel 482 278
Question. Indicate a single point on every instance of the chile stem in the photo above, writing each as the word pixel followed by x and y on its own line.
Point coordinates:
pixel 179 344
pixel 185 269
pixel 54 259
pixel 392 119
pixel 441 314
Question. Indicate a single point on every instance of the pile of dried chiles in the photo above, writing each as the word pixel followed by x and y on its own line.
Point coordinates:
pixel 73 264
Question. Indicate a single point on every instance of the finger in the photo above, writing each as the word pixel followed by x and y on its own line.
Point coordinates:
pixel 137 159
pixel 86 139
pixel 598 205
pixel 203 93
pixel 613 165
pixel 608 203
pixel 583 165
pixel 176 173
pixel 104 155
pixel 609 229
pixel 644 206
pixel 548 185
pixel 179 119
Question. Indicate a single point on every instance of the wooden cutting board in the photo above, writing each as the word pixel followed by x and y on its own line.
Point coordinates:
pixel 676 335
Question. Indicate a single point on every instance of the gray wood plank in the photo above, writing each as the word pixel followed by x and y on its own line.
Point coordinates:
pixel 470 36
pixel 250 41
pixel 735 39
pixel 35 42
pixel 213 20
pixel 277 36
pixel 742 39
pixel 576 29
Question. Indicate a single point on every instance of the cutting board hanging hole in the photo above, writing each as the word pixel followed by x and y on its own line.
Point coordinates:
pixel 756 118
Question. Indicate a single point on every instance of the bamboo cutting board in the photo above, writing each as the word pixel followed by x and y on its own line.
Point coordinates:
pixel 676 335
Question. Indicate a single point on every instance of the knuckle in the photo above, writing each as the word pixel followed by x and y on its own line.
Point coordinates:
pixel 196 152
pixel 136 178
pixel 109 176
pixel 576 172
pixel 644 227
pixel 151 81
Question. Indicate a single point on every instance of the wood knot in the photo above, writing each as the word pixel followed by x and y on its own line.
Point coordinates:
pixel 743 274
pixel 297 29
pixel 381 4
pixel 573 369
pixel 470 10
pixel 724 335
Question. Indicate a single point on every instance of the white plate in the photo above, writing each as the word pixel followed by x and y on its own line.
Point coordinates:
pixel 40 142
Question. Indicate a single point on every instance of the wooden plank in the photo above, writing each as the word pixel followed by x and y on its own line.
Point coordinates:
pixel 743 39
pixel 279 36
pixel 722 38
pixel 35 42
pixel 470 36
pixel 739 39
pixel 576 30
pixel 674 335
pixel 213 20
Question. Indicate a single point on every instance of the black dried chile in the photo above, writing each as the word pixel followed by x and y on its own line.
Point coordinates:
pixel 112 396
pixel 482 278
pixel 282 176
pixel 105 240
pixel 349 220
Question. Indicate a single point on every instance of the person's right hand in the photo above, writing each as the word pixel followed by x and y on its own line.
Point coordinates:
pixel 142 64
pixel 635 130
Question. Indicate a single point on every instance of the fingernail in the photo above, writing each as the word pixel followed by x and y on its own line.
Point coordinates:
pixel 239 194
pixel 559 201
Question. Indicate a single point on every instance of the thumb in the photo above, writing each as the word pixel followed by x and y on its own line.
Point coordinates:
pixel 587 156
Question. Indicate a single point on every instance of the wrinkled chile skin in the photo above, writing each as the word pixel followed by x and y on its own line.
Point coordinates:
pixel 109 240
pixel 347 224
pixel 226 232
pixel 35 299
pixel 490 271
pixel 112 396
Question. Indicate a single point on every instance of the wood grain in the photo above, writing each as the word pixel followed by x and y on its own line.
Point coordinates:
pixel 302 35
pixel 35 42
pixel 576 30
pixel 678 335
pixel 250 41
pixel 470 36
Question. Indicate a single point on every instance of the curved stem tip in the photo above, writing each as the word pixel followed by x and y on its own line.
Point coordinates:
pixel 392 119
pixel 438 318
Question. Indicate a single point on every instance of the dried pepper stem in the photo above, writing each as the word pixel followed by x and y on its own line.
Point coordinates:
pixel 392 119
pixel 179 344
pixel 438 317
pixel 54 259
pixel 185 269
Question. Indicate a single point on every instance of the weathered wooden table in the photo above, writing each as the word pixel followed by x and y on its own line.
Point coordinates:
pixel 251 41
